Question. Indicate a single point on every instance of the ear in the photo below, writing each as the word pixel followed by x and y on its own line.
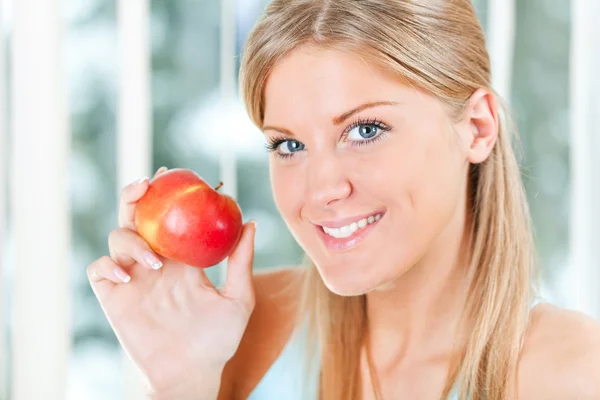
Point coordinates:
pixel 481 118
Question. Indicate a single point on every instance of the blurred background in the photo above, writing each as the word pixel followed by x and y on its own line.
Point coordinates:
pixel 96 93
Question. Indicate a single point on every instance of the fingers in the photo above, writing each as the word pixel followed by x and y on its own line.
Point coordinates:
pixel 127 247
pixel 129 196
pixel 105 268
pixel 239 282
pixel 160 171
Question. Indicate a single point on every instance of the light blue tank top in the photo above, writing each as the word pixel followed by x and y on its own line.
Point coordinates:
pixel 286 378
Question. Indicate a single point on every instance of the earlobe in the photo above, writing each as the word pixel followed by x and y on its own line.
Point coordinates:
pixel 483 119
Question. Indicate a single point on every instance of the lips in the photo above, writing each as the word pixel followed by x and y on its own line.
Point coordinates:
pixel 347 236
pixel 347 230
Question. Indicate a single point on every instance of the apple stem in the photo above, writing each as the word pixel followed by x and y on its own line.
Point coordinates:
pixel 219 186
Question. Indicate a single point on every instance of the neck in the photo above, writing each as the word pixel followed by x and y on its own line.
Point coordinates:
pixel 417 317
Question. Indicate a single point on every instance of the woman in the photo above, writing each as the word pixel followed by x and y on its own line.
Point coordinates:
pixel 391 164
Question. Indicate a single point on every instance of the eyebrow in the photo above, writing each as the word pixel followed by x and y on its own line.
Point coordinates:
pixel 343 117
pixel 340 118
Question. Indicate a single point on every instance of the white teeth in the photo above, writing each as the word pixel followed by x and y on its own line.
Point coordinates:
pixel 348 230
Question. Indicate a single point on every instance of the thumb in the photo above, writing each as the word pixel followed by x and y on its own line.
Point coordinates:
pixel 239 283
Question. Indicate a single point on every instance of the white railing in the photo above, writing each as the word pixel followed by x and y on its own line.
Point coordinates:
pixel 134 121
pixel 585 160
pixel 227 157
pixel 39 203
pixel 3 154
pixel 501 43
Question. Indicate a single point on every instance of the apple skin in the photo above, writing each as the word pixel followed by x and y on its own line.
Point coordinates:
pixel 184 219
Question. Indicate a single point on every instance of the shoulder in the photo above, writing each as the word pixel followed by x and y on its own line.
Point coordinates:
pixel 277 293
pixel 561 356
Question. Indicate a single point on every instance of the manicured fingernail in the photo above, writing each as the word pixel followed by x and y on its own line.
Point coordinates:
pixel 122 275
pixel 138 181
pixel 152 260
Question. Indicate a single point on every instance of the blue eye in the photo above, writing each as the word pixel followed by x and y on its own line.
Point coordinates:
pixel 363 131
pixel 290 146
pixel 283 147
pixel 360 133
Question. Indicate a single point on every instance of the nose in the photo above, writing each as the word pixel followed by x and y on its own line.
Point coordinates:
pixel 327 180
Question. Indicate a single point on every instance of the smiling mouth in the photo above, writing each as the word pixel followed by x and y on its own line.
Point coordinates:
pixel 348 230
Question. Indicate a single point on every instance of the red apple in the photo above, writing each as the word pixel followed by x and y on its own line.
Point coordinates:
pixel 184 219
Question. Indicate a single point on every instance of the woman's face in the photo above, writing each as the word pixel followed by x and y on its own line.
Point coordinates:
pixel 367 171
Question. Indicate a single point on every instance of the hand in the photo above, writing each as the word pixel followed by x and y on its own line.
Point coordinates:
pixel 172 322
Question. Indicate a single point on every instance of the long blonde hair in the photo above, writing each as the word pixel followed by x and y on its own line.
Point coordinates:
pixel 438 46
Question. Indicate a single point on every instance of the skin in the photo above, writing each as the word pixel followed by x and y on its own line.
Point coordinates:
pixel 411 266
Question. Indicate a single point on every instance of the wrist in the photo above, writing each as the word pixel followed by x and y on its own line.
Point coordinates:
pixel 202 386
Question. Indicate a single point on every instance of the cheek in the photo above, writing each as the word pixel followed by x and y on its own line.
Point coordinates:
pixel 419 178
pixel 435 190
pixel 397 170
pixel 443 177
pixel 287 185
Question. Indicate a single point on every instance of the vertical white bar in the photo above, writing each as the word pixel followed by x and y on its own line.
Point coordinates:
pixel 134 133
pixel 3 155
pixel 585 163
pixel 501 43
pixel 134 113
pixel 227 157
pixel 39 202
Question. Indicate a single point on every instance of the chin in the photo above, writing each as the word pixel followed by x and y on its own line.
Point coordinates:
pixel 355 279
pixel 347 282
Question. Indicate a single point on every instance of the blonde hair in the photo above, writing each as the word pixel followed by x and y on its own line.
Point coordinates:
pixel 437 46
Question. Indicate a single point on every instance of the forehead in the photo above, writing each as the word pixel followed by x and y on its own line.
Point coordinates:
pixel 323 81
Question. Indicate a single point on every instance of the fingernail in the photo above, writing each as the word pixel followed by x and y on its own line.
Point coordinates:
pixel 152 260
pixel 137 182
pixel 122 275
pixel 253 222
